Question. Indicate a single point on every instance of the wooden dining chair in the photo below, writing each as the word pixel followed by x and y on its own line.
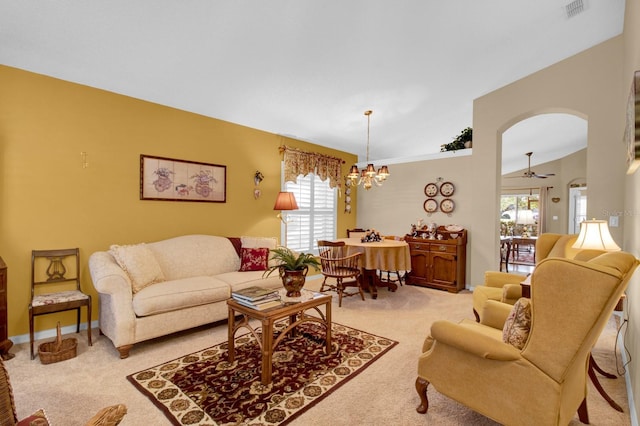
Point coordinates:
pixel 336 265
pixel 356 233
pixel 55 287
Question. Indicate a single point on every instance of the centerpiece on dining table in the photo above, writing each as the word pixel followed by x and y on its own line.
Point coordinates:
pixel 371 236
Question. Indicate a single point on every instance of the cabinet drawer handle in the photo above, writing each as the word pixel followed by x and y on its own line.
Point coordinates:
pixel 443 248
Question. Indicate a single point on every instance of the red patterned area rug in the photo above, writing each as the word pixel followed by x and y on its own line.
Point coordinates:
pixel 203 388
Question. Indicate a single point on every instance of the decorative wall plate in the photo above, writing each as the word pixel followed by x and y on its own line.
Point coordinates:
pixel 431 190
pixel 430 205
pixel 447 189
pixel 447 205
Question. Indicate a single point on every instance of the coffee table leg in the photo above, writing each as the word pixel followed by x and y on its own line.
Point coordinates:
pixel 231 333
pixel 267 350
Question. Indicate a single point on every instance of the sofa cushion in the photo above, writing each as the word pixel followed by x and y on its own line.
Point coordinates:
pixel 139 263
pixel 179 294
pixel 240 280
pixel 254 259
pixel 518 323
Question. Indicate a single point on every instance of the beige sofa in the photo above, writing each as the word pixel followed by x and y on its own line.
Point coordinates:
pixel 151 290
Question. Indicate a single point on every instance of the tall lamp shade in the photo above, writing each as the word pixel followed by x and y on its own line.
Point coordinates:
pixel 594 235
pixel 285 201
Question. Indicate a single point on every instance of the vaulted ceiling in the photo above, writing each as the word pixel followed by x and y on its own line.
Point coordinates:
pixel 309 69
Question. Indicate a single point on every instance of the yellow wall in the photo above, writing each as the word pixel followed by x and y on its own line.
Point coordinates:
pixel 48 200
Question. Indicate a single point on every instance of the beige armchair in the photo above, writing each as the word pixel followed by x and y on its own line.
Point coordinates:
pixel 505 287
pixel 545 382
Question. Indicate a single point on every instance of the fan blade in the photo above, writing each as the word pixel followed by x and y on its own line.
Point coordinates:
pixel 543 176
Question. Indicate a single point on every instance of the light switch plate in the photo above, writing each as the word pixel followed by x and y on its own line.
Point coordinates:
pixel 613 221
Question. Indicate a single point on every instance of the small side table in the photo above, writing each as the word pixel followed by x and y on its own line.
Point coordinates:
pixel 296 312
pixel 526 287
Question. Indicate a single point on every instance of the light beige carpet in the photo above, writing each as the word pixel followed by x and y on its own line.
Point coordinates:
pixel 72 391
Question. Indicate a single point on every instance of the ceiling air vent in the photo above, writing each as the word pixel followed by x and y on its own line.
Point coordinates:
pixel 574 8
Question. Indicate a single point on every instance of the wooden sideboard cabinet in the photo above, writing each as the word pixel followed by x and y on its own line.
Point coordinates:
pixel 439 264
pixel 5 343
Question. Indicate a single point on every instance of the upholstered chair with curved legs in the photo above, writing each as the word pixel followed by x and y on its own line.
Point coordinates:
pixel 532 367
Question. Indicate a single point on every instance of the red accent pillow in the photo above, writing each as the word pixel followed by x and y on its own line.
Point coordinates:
pixel 254 259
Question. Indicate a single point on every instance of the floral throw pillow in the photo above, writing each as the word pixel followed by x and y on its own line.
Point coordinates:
pixel 39 418
pixel 254 259
pixel 516 327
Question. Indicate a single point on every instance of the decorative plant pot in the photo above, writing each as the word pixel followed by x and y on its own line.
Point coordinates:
pixel 293 281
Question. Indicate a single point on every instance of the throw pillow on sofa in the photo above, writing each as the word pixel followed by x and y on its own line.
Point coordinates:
pixel 254 259
pixel 261 242
pixel 139 263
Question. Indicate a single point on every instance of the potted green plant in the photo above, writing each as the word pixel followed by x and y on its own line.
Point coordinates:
pixel 292 267
pixel 462 141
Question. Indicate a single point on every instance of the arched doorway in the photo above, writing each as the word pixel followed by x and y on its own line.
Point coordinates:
pixel 558 143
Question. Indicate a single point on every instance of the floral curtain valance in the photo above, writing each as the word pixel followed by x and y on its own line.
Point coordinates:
pixel 298 162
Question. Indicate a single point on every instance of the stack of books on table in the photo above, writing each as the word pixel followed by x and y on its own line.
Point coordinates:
pixel 259 298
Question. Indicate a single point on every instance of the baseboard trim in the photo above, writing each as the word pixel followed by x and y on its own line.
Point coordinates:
pixel 51 333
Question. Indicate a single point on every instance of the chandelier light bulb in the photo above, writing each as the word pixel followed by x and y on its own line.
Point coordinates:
pixel 368 176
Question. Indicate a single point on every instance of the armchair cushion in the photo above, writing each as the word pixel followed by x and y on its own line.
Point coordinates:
pixel 516 327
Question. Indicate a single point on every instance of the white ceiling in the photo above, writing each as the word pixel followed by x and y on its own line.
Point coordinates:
pixel 309 69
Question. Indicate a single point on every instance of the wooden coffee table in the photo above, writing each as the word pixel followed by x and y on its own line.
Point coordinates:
pixel 295 311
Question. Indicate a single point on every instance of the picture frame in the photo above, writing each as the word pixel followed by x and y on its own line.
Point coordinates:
pixel 632 129
pixel 170 179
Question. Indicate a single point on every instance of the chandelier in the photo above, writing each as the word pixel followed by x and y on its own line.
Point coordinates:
pixel 369 176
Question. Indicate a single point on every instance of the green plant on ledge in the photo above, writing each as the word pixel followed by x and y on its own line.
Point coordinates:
pixel 291 261
pixel 459 142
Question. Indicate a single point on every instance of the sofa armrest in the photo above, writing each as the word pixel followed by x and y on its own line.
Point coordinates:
pixel 499 279
pixel 473 342
pixel 117 318
pixel 107 276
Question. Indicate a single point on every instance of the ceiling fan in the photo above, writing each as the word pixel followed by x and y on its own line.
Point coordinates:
pixel 530 173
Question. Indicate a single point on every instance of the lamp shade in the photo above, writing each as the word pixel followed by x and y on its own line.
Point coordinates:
pixel 525 217
pixel 594 235
pixel 286 201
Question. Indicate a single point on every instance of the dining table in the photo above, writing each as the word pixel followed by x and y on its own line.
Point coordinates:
pixel 385 255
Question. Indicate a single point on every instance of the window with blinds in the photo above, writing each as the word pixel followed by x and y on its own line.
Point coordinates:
pixel 315 218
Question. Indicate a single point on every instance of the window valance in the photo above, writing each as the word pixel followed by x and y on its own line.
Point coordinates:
pixel 299 162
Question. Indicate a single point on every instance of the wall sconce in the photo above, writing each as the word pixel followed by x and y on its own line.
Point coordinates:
pixel 555 199
pixel 257 178
pixel 284 202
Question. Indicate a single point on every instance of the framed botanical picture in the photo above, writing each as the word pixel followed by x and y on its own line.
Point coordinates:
pixel 632 130
pixel 179 180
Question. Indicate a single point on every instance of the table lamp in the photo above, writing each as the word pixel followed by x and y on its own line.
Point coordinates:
pixel 525 217
pixel 594 235
pixel 285 201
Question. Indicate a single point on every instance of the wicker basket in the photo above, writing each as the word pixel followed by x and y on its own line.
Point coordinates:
pixel 58 350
